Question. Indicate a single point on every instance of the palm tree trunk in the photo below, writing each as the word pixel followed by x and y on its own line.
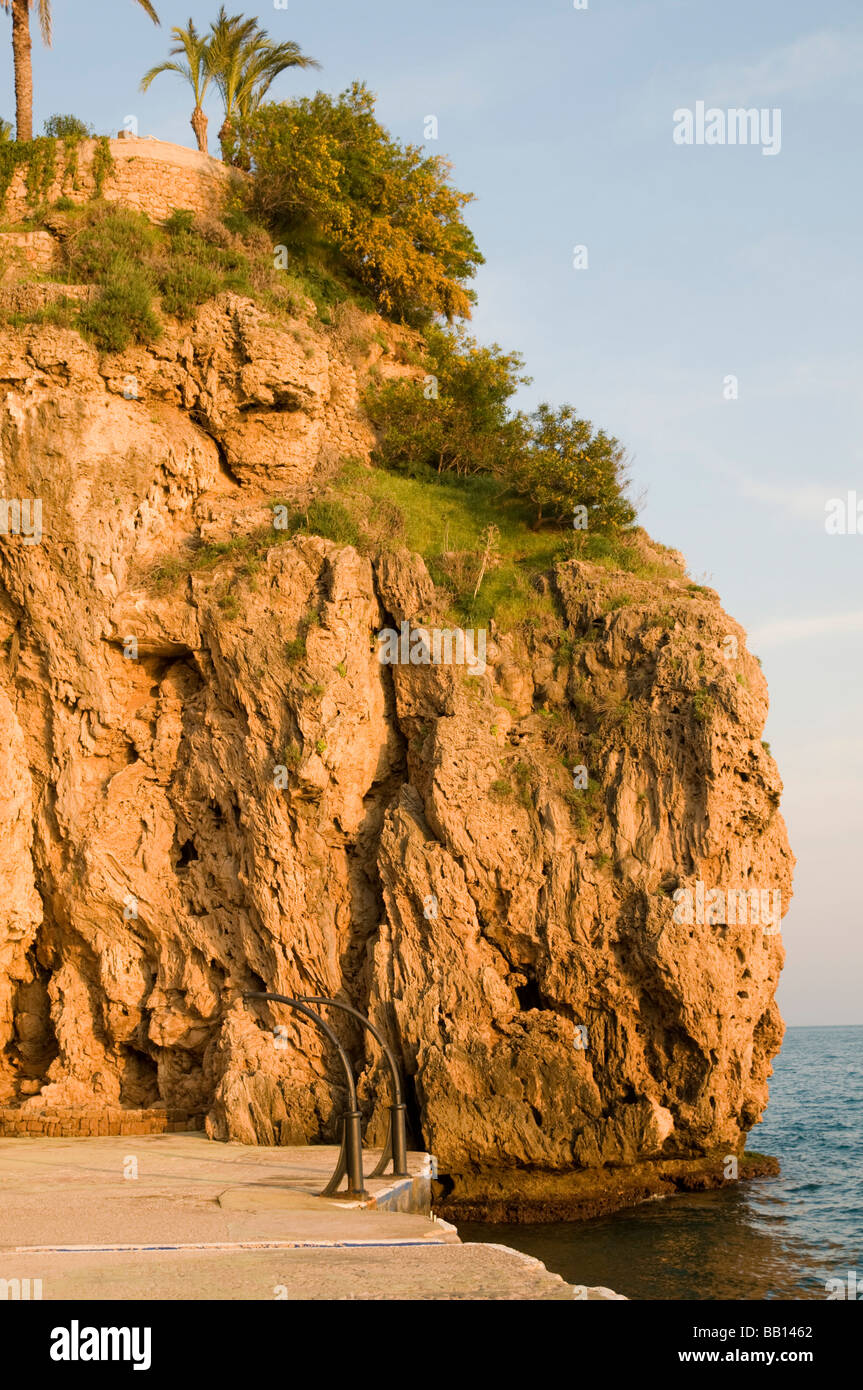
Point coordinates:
pixel 226 140
pixel 199 126
pixel 23 69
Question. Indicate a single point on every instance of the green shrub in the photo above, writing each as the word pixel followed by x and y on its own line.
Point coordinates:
pixel 180 222
pixel 295 647
pixel 585 803
pixel 327 170
pixel 238 220
pixel 564 464
pixel 185 285
pixel 524 776
pixel 103 165
pixel 316 282
pixel 92 250
pixel 67 127
pixel 703 705
pixel 456 420
pixel 123 311
pixel 580 813
pixel 185 265
pixel 331 519
pixel 41 169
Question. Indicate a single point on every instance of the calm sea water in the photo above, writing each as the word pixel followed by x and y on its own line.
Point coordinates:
pixel 770 1238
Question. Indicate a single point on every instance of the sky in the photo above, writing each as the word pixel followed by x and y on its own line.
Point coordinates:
pixel 705 262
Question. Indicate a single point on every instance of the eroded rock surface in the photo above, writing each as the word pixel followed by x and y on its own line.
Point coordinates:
pixel 212 785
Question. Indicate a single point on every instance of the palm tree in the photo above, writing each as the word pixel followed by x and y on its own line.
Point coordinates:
pixel 194 69
pixel 262 68
pixel 244 61
pixel 231 42
pixel 21 53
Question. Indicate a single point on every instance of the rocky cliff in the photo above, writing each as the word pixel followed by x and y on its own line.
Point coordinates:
pixel 211 784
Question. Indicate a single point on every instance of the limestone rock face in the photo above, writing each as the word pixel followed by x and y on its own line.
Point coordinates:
pixel 212 785
pixel 557 1013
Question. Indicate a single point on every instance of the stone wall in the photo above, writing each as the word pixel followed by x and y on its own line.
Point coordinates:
pixel 150 175
pixel 18 1122
pixel 27 250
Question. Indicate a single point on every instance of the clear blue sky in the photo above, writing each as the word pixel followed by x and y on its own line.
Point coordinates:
pixel 703 262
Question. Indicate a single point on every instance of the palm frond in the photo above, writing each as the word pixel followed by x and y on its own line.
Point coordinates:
pixel 261 67
pixel 45 21
pixel 167 66
pixel 148 9
pixel 234 42
pixel 193 46
pixel 290 55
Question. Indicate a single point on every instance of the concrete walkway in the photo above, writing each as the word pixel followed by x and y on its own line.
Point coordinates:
pixel 179 1217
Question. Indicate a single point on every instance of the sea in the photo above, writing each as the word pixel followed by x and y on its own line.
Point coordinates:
pixel 769 1238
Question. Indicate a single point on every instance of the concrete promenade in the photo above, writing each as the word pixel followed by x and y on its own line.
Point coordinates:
pixel 178 1217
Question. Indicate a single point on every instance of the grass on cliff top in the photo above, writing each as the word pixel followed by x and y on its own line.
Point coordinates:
pixel 143 270
pixel 446 522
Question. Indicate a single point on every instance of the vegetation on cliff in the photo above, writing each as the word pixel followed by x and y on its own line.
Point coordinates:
pixel 356 216
pixel 338 211
pixel 552 458
pixel 343 194
pixel 327 173
pixel 52 155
